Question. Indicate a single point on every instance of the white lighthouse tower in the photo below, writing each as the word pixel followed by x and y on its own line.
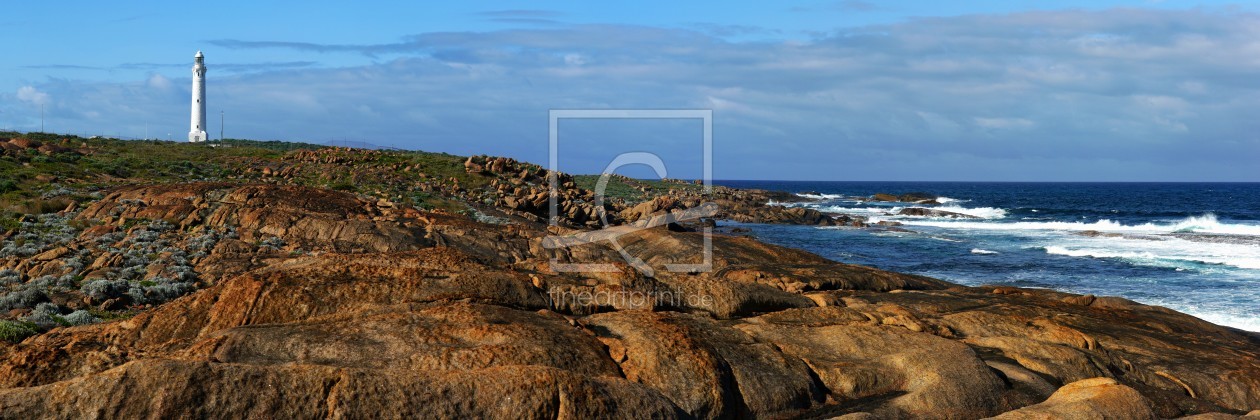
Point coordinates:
pixel 197 130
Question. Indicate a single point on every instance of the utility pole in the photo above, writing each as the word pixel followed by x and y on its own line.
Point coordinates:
pixel 220 125
pixel 41 117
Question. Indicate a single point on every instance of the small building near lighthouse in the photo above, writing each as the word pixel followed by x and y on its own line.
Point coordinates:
pixel 197 129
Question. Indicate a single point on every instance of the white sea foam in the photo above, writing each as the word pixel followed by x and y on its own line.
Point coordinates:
pixel 1098 253
pixel 1244 322
pixel 1137 257
pixel 821 196
pixel 1213 312
pixel 979 251
pixel 1172 253
pixel 981 212
pixel 858 210
pixel 1199 224
pixel 1208 224
pixel 1225 246
pixel 947 200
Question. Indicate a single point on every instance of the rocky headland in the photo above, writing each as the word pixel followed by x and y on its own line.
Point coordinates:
pixel 303 282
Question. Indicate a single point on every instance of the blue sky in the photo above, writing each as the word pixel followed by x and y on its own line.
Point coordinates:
pixel 821 90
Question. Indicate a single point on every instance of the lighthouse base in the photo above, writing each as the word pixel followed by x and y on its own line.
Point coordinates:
pixel 196 136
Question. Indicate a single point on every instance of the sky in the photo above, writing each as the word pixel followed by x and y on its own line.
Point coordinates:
pixel 800 90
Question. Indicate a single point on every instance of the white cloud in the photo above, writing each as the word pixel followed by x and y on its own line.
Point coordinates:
pixel 574 59
pixel 32 95
pixel 867 103
pixel 159 82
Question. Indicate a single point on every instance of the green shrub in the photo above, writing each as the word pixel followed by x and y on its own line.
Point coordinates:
pixel 9 222
pixel 7 186
pixel 15 331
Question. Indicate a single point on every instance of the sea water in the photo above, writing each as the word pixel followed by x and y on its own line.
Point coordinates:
pixel 1192 247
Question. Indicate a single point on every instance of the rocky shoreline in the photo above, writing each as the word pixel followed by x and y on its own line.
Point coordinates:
pixel 308 302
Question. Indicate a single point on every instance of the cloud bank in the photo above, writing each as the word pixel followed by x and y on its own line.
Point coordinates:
pixel 1121 94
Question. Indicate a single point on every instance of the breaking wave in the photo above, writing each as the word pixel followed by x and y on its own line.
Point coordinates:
pixel 981 212
pixel 820 196
pixel 1199 224
pixel 1173 254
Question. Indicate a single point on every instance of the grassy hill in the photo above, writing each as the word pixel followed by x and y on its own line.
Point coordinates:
pixel 48 172
pixel 71 169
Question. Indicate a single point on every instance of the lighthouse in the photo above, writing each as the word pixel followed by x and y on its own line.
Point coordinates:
pixel 197 129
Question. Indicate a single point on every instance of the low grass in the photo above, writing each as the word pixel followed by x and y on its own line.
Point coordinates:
pixel 628 188
pixel 28 175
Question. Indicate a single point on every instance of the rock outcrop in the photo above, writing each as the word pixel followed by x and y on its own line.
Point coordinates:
pixel 19 146
pixel 1088 398
pixel 926 212
pixel 915 197
pixel 523 190
pixel 359 309
pixel 305 218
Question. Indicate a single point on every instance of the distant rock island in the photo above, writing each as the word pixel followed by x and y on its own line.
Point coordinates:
pixel 285 280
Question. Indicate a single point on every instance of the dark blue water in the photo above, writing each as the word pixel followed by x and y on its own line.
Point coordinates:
pixel 1193 247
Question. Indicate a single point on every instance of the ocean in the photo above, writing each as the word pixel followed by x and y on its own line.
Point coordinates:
pixel 1192 247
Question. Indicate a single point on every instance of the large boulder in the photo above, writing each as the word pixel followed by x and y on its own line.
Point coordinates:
pixel 914 197
pixel 1100 398
pixel 913 374
pixel 707 369
pixel 926 212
